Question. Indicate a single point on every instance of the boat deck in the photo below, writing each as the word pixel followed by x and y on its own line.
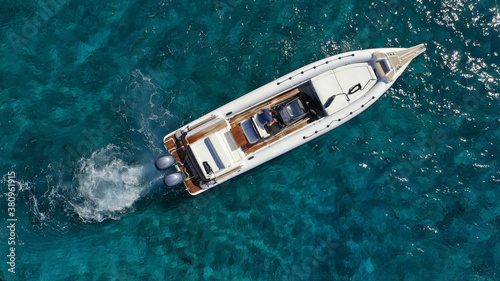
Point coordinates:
pixel 178 150
pixel 236 121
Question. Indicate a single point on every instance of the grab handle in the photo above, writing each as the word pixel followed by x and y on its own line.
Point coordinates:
pixel 354 89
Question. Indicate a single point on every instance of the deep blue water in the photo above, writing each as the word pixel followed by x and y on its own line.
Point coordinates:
pixel 408 190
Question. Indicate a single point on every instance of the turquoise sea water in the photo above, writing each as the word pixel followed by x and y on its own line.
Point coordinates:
pixel 408 190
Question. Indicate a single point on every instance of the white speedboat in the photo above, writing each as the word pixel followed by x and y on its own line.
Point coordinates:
pixel 279 116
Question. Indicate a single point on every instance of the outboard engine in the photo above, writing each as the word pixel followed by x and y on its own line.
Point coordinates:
pixel 164 162
pixel 173 179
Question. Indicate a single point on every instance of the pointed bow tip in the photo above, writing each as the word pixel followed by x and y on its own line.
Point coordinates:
pixel 420 48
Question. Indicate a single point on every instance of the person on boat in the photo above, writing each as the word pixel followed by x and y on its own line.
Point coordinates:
pixel 266 117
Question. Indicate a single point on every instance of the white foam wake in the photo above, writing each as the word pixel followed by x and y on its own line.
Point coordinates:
pixel 106 187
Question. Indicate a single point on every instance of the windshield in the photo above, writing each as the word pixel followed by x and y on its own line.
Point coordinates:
pixel 294 109
pixel 291 111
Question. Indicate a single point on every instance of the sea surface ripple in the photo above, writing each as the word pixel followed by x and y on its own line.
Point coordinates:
pixel 408 190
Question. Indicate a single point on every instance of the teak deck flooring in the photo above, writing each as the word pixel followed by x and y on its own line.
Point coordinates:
pixel 177 149
pixel 236 120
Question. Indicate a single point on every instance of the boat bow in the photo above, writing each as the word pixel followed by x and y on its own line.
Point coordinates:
pixel 304 104
pixel 392 64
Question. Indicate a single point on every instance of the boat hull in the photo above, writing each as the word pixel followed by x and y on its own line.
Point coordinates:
pixel 232 114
